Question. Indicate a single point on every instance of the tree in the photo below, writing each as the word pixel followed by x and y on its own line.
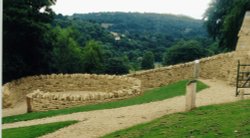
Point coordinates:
pixel 67 55
pixel 93 57
pixel 24 31
pixel 147 60
pixel 184 51
pixel 223 20
pixel 116 65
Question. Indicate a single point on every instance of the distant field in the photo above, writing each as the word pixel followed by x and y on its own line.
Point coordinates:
pixel 34 131
pixel 157 94
pixel 216 121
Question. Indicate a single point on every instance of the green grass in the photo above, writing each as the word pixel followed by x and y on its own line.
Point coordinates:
pixel 217 121
pixel 34 131
pixel 156 94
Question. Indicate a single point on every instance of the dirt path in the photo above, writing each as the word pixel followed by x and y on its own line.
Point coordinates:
pixel 97 123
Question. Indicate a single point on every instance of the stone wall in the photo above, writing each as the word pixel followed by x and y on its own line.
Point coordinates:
pixel 43 101
pixel 219 67
pixel 222 66
pixel 17 90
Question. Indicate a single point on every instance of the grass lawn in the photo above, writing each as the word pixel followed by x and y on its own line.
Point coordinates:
pixel 34 131
pixel 217 121
pixel 156 94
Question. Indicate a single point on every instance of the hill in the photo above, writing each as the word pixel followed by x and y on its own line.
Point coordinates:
pixel 139 23
pixel 132 34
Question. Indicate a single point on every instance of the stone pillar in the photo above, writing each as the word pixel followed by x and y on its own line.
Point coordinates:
pixel 242 52
pixel 191 95
pixel 28 101
pixel 243 44
pixel 242 93
pixel 196 69
pixel 244 35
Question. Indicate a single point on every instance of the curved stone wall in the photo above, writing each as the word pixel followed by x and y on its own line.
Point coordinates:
pixel 58 85
pixel 43 101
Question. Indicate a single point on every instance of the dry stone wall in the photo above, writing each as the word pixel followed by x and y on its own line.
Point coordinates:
pixel 219 67
pixel 43 101
pixel 17 90
pixel 85 88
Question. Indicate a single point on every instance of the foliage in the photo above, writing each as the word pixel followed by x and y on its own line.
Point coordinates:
pixel 38 42
pixel 67 55
pixel 84 30
pixel 147 60
pixel 24 34
pixel 137 23
pixel 227 120
pixel 145 32
pixel 152 95
pixel 35 130
pixel 117 66
pixel 93 57
pixel 184 51
pixel 223 20
pixel 214 48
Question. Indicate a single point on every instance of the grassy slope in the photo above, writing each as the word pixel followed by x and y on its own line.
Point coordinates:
pixel 34 131
pixel 156 94
pixel 228 120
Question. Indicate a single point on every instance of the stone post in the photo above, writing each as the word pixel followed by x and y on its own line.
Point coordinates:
pixel 28 101
pixel 190 95
pixel 242 92
pixel 196 69
pixel 191 88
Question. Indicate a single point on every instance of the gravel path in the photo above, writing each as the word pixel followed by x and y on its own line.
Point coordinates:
pixel 98 123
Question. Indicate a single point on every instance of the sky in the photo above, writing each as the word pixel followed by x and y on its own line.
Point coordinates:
pixel 192 8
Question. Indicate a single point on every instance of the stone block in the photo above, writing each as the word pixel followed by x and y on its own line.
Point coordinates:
pixel 111 95
pixel 130 92
pixel 102 96
pixel 120 93
pixel 116 94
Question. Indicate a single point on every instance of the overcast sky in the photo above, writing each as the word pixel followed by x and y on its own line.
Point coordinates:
pixel 192 8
